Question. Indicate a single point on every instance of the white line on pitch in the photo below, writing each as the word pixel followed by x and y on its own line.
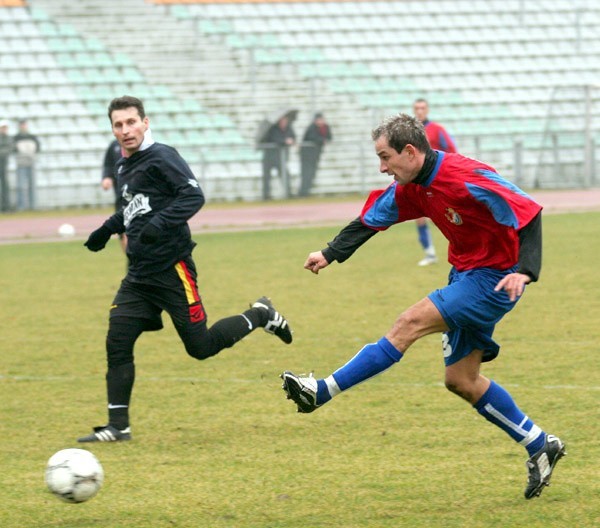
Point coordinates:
pixel 177 379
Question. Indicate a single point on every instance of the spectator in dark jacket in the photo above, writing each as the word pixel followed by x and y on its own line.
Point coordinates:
pixel 275 147
pixel 26 147
pixel 316 136
pixel 5 149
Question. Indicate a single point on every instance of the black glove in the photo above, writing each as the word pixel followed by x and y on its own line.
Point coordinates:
pixel 98 239
pixel 149 234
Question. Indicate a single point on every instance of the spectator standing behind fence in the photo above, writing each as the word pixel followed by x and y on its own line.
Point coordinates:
pixel 316 136
pixel 109 179
pixel 439 139
pixel 276 146
pixel 6 145
pixel 26 147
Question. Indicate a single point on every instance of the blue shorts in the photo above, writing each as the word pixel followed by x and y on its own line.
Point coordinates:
pixel 471 309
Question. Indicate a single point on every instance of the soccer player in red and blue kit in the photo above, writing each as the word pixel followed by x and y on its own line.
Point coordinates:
pixel 494 234
pixel 439 139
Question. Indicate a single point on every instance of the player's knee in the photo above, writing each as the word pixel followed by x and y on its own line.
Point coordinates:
pixel 199 349
pixel 120 340
pixel 454 385
pixel 460 385
pixel 407 326
pixel 119 351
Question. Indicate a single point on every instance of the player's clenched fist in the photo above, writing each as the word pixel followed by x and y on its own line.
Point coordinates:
pixel 315 262
pixel 98 239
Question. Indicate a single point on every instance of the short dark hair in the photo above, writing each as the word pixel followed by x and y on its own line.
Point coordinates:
pixel 126 101
pixel 421 100
pixel 401 130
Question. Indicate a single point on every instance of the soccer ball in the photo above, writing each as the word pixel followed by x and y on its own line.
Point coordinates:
pixel 74 475
pixel 66 230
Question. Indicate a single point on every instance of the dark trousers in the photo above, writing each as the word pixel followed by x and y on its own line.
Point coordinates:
pixel 309 162
pixel 25 188
pixel 4 191
pixel 275 158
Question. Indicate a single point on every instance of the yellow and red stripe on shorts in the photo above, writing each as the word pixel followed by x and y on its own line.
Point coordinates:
pixel 197 314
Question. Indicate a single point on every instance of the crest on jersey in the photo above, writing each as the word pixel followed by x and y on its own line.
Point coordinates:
pixel 453 216
pixel 125 193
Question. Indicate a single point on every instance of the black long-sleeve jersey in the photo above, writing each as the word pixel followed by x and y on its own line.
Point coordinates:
pixel 158 187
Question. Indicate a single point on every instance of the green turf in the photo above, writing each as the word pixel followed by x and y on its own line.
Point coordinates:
pixel 217 445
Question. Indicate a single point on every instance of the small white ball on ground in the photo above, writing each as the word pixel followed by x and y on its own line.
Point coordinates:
pixel 74 475
pixel 66 230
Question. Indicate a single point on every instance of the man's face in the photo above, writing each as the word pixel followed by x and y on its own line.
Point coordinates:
pixel 402 166
pixel 421 110
pixel 3 130
pixel 129 128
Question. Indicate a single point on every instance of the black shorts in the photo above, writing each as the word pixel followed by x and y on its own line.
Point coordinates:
pixel 174 290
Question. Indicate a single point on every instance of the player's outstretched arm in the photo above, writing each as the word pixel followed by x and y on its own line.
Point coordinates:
pixel 348 240
pixel 315 262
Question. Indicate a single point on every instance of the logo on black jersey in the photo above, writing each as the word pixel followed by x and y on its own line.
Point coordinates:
pixel 453 216
pixel 126 194
pixel 193 183
pixel 139 205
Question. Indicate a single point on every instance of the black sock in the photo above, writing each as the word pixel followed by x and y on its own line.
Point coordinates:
pixel 230 330
pixel 119 384
pixel 257 316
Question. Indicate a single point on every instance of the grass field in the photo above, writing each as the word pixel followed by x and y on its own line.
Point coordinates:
pixel 217 445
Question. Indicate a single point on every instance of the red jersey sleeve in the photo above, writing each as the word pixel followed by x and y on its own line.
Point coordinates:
pixel 386 207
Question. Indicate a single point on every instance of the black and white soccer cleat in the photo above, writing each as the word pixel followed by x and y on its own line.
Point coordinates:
pixel 277 323
pixel 541 465
pixel 107 433
pixel 302 390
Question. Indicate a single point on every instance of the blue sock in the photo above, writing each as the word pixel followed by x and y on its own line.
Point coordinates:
pixel 371 360
pixel 498 407
pixel 424 237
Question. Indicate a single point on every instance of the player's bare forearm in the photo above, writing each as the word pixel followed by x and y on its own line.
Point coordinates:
pixel 513 284
pixel 315 262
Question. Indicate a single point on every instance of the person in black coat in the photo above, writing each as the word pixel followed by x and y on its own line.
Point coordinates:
pixel 6 145
pixel 275 147
pixel 316 136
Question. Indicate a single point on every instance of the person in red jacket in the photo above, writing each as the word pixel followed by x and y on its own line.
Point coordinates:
pixel 439 139
pixel 494 233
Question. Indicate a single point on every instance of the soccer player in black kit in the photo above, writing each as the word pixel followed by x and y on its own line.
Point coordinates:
pixel 160 194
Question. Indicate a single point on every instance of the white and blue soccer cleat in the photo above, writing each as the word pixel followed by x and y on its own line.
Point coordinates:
pixel 302 390
pixel 541 465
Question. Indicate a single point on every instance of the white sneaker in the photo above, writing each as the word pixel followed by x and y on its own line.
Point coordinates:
pixel 302 390
pixel 428 260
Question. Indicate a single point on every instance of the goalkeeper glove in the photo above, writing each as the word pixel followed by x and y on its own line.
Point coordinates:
pixel 98 239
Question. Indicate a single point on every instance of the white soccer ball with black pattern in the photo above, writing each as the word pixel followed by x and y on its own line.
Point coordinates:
pixel 74 475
